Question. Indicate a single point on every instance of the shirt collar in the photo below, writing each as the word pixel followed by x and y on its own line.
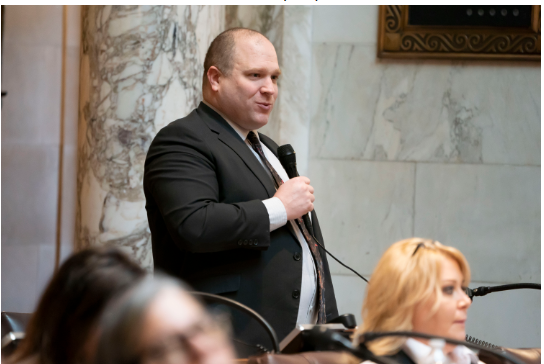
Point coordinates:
pixel 243 134
pixel 417 351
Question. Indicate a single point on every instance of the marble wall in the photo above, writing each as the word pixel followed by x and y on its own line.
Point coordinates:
pixel 141 69
pixel 443 149
pixel 40 72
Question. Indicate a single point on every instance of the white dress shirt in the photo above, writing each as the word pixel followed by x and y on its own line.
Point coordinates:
pixel 418 351
pixel 307 312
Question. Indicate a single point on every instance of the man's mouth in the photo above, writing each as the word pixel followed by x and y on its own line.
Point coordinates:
pixel 264 105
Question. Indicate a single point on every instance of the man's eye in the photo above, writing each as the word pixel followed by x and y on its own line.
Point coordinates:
pixel 448 290
pixel 255 75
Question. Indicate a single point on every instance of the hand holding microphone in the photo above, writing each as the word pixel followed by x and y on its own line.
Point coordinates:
pixel 288 159
pixel 297 195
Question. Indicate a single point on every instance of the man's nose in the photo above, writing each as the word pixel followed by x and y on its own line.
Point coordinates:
pixel 268 86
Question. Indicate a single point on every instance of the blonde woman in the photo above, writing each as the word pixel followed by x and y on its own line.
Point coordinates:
pixel 418 285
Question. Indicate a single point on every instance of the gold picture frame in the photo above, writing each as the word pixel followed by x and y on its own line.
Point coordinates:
pixel 398 39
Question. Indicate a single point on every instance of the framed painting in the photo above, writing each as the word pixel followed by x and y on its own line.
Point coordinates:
pixel 459 32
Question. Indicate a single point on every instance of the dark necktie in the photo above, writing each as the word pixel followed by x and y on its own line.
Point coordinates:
pixel 321 315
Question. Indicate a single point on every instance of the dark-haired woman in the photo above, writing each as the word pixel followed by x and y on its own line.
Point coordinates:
pixel 61 330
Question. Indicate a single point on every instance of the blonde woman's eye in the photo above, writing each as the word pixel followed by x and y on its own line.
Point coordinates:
pixel 448 290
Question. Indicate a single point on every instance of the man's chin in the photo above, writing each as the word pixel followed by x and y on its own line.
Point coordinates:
pixel 260 121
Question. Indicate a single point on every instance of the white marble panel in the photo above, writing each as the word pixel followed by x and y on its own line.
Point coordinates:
pixel 491 213
pixel 36 25
pixel 423 110
pixel 511 319
pixel 363 207
pixel 294 93
pixel 31 109
pixel 350 293
pixel 73 26
pixel 29 194
pixel 504 104
pixel 345 24
pixel 46 268
pixel 19 276
pixel 344 94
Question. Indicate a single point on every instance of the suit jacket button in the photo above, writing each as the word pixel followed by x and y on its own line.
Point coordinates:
pixel 296 256
pixel 296 293
pixel 239 242
pixel 255 242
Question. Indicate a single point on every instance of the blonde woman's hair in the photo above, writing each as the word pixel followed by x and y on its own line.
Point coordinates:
pixel 408 273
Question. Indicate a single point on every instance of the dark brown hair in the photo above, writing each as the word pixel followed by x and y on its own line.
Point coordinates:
pixel 221 51
pixel 72 303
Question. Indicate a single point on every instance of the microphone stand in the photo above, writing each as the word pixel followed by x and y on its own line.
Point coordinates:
pixel 482 291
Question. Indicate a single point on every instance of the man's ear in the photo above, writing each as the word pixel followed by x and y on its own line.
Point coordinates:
pixel 214 74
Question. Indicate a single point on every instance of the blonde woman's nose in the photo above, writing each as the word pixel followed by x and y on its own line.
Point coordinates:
pixel 464 300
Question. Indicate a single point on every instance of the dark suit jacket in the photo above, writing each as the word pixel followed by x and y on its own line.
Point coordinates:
pixel 204 190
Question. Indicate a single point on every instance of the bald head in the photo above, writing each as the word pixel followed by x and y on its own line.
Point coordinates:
pixel 241 77
pixel 222 50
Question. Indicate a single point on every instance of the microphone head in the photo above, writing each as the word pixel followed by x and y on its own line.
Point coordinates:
pixel 285 150
pixel 288 159
pixel 286 154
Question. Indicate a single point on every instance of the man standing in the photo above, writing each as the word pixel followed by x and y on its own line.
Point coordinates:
pixel 223 214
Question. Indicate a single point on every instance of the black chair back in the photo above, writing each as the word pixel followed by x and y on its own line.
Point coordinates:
pixel 12 331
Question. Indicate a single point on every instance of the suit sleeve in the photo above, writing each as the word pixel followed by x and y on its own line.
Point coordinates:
pixel 180 176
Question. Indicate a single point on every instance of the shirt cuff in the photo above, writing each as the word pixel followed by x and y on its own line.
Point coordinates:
pixel 276 213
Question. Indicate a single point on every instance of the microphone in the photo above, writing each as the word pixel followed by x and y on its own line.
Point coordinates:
pixel 484 290
pixel 288 159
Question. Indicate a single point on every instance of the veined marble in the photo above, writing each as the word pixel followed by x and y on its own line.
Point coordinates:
pixel 141 69
pixel 296 83
pixel 363 207
pixel 489 212
pixel 422 111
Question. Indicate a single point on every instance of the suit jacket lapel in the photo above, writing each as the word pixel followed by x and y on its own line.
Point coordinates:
pixel 269 143
pixel 228 136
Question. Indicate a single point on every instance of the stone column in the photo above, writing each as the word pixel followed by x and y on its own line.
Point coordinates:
pixel 141 68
